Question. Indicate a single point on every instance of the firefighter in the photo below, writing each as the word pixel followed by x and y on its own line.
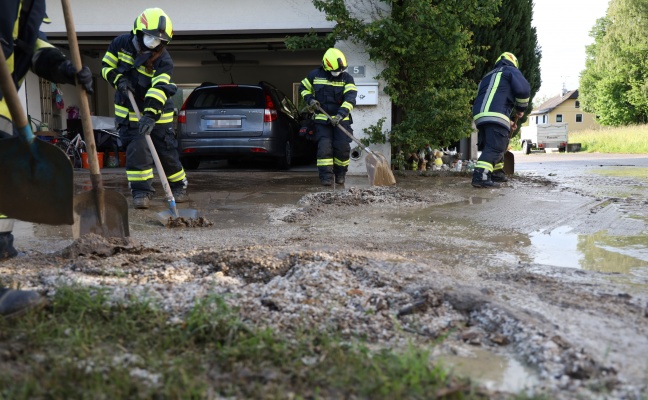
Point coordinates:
pixel 333 89
pixel 138 62
pixel 25 47
pixel 501 91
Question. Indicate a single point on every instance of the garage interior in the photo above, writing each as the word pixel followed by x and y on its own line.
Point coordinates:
pixel 231 58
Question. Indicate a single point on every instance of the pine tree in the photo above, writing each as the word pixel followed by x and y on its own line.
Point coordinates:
pixel 513 33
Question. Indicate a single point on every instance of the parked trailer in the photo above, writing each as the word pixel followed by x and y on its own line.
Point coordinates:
pixel 542 137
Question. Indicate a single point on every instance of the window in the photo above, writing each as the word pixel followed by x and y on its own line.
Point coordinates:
pixel 579 117
pixel 577 104
pixel 536 120
pixel 558 117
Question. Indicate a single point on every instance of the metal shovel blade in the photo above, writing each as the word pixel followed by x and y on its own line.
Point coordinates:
pixel 36 182
pixel 378 170
pixel 88 217
pixel 186 213
pixel 509 163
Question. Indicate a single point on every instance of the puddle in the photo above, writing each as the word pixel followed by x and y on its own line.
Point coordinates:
pixel 496 372
pixel 598 252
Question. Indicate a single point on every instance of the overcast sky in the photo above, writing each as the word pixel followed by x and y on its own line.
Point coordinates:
pixel 563 28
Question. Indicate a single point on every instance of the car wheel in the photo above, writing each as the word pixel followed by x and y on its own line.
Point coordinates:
pixel 525 148
pixel 190 163
pixel 286 160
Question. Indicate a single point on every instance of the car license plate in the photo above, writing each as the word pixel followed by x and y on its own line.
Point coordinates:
pixel 225 123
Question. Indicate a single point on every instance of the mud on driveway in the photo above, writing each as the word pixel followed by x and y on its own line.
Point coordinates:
pixel 430 258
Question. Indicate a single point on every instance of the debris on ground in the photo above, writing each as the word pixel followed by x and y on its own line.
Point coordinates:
pixel 182 222
pixel 95 245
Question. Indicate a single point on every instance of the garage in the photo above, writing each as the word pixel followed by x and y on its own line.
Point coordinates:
pixel 242 43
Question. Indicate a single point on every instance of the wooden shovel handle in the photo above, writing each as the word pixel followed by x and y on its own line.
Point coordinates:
pixel 11 97
pixel 86 122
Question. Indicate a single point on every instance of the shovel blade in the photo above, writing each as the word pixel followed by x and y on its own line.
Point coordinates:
pixel 378 170
pixel 509 163
pixel 37 182
pixel 87 215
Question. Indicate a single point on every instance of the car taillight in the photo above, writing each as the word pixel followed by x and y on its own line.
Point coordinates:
pixel 182 114
pixel 189 150
pixel 270 114
pixel 258 150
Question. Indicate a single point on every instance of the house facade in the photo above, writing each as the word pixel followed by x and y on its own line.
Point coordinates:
pixel 222 42
pixel 564 108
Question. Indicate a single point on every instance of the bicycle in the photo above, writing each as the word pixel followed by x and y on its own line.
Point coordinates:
pixel 71 147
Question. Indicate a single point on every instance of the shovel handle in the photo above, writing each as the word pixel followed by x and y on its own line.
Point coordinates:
pixel 156 160
pixel 343 129
pixel 86 122
pixel 10 93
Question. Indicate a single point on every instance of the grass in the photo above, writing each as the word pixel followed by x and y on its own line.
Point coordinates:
pixel 623 140
pixel 83 347
pixel 627 140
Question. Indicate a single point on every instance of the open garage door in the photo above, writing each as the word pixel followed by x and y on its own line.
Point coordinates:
pixel 232 58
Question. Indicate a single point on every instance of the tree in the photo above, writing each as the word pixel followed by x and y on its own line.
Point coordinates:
pixel 513 32
pixel 614 84
pixel 425 46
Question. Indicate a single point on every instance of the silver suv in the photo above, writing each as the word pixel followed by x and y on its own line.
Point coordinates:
pixel 235 122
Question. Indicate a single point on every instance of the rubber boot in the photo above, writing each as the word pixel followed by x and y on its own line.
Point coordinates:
pixel 482 179
pixel 499 176
pixel 180 195
pixel 326 175
pixel 339 179
pixel 16 302
pixel 141 200
pixel 6 246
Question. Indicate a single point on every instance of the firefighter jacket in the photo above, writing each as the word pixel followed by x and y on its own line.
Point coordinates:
pixel 501 90
pixel 336 94
pixel 25 46
pixel 149 74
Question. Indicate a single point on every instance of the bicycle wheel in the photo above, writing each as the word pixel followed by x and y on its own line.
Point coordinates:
pixel 64 145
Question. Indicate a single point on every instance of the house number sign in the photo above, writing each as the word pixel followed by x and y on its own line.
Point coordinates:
pixel 356 71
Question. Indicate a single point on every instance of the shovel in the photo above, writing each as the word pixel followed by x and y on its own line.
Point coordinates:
pixel 35 177
pixel 99 211
pixel 509 157
pixel 173 212
pixel 377 165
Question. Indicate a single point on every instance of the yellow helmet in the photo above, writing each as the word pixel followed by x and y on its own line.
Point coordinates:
pixel 509 56
pixel 154 22
pixel 334 60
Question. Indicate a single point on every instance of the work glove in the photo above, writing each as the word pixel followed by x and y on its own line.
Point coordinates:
pixel 335 121
pixel 313 105
pixel 84 76
pixel 146 125
pixel 124 86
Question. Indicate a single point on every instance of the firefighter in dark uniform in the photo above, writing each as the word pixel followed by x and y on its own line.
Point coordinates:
pixel 501 91
pixel 25 47
pixel 334 90
pixel 139 62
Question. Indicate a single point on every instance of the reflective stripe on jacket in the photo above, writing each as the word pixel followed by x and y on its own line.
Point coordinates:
pixel 153 86
pixel 336 94
pixel 499 92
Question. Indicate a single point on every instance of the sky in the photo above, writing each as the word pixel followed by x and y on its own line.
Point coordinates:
pixel 563 28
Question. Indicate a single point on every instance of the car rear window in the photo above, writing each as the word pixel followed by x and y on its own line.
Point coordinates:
pixel 227 97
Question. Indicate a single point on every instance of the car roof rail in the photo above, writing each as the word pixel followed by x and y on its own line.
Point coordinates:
pixel 262 83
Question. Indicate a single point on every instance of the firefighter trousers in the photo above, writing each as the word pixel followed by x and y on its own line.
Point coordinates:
pixel 493 140
pixel 139 161
pixel 333 150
